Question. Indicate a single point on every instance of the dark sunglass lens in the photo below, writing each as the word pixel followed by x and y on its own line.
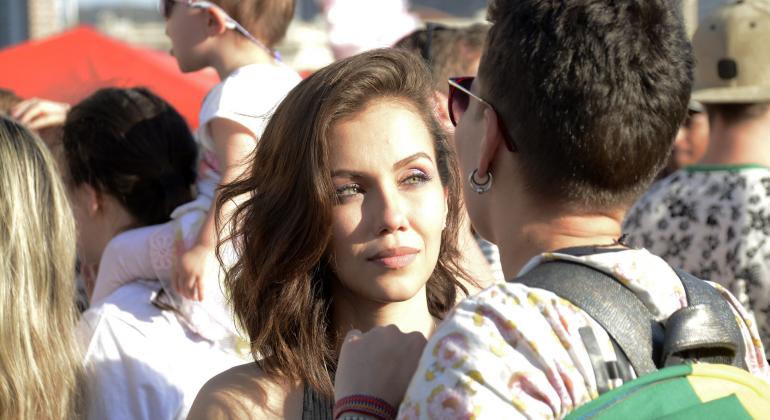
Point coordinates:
pixel 165 8
pixel 458 103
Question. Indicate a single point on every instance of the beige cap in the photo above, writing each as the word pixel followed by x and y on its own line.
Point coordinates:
pixel 732 52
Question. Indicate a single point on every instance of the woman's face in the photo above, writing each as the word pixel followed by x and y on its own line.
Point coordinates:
pixel 391 207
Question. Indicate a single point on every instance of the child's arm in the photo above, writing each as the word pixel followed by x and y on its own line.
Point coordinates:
pixel 233 144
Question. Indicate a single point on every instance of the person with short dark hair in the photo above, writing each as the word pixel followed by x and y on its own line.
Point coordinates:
pixel 712 218
pixel 570 118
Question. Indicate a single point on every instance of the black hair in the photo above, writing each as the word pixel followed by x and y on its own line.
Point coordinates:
pixel 132 145
pixel 591 91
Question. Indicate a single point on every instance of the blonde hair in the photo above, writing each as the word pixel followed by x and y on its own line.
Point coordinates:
pixel 39 363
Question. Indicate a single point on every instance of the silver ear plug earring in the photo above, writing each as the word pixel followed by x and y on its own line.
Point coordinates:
pixel 480 188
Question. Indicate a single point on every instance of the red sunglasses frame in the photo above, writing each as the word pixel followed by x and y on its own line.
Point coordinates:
pixel 462 85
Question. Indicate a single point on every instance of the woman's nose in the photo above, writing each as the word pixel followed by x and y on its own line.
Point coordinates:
pixel 393 215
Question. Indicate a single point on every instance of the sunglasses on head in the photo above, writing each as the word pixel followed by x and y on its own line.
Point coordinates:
pixel 459 98
pixel 166 6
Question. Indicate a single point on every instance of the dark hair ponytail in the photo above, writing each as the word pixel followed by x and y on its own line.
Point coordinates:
pixel 132 145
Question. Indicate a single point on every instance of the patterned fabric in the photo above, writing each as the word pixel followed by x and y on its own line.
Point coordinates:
pixel 515 352
pixel 492 255
pixel 713 222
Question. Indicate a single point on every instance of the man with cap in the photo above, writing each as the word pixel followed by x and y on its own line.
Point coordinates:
pixel 713 219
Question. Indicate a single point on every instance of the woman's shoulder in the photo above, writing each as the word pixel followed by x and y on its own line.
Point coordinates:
pixel 245 391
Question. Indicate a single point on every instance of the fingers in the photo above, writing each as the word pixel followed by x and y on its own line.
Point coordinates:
pixel 21 113
pixel 191 288
pixel 199 289
pixel 37 114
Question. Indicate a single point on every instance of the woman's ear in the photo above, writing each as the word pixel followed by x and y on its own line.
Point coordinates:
pixel 442 108
pixel 91 199
pixel 490 142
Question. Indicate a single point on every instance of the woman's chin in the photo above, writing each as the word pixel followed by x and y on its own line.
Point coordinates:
pixel 395 288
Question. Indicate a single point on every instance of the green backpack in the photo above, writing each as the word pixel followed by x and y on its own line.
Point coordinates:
pixel 691 368
pixel 689 391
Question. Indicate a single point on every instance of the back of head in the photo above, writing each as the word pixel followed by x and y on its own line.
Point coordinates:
pixel 592 92
pixel 448 51
pixel 282 298
pixel 39 361
pixel 268 20
pixel 8 100
pixel 732 61
pixel 132 145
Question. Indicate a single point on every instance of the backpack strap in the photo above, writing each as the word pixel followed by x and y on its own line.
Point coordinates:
pixel 705 330
pixel 617 309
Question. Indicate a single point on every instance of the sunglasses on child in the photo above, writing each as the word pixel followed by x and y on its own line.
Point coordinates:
pixel 459 98
pixel 166 6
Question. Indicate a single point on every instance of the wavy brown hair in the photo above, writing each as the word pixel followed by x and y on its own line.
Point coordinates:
pixel 280 286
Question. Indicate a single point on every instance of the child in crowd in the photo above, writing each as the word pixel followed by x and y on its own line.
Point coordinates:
pixel 236 38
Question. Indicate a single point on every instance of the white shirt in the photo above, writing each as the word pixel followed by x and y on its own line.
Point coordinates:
pixel 249 97
pixel 141 362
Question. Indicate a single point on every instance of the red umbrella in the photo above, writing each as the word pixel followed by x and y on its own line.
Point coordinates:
pixel 72 65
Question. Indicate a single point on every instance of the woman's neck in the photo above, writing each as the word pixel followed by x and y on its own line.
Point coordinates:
pixel 351 311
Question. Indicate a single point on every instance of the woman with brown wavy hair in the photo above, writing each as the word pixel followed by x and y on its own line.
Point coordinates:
pixel 350 222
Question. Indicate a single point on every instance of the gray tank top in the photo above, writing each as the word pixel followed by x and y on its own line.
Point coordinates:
pixel 316 406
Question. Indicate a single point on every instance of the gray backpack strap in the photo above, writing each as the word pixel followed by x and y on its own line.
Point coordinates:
pixel 706 330
pixel 617 309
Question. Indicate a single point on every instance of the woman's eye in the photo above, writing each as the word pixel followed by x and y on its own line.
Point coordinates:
pixel 348 190
pixel 416 177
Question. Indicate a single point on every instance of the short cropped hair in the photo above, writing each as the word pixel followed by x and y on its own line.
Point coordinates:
pixel 592 93
pixel 448 51
pixel 268 20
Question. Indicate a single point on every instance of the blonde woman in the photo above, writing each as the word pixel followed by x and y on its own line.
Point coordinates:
pixel 39 361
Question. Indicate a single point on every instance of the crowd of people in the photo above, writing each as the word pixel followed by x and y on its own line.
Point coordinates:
pixel 496 221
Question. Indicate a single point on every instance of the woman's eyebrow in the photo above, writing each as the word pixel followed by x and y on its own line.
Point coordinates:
pixel 401 163
pixel 409 159
pixel 347 174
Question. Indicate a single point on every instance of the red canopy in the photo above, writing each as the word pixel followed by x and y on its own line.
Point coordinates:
pixel 72 65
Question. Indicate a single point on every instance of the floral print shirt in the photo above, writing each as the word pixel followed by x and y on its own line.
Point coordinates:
pixel 714 222
pixel 515 352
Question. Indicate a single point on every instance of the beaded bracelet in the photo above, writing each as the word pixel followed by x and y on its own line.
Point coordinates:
pixel 366 405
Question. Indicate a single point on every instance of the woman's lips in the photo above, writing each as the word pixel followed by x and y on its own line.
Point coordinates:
pixel 395 258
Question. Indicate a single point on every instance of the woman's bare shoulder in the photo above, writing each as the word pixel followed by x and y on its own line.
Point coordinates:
pixel 245 392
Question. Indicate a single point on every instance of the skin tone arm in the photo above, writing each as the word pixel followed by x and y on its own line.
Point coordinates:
pixel 233 144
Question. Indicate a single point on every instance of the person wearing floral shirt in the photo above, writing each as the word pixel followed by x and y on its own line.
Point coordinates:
pixel 712 218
